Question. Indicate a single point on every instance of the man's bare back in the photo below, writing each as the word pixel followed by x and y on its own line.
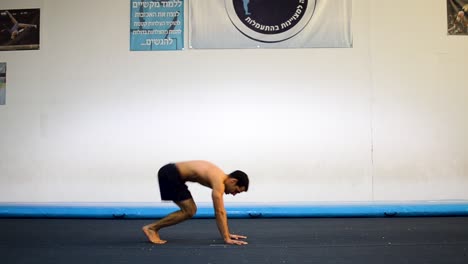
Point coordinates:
pixel 203 172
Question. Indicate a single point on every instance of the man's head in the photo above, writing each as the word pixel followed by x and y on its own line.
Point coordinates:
pixel 237 182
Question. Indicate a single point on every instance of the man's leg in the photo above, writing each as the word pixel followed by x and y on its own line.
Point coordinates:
pixel 12 18
pixel 187 210
pixel 21 25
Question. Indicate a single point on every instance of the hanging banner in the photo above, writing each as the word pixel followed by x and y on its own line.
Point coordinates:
pixel 19 29
pixel 2 83
pixel 156 25
pixel 457 17
pixel 270 24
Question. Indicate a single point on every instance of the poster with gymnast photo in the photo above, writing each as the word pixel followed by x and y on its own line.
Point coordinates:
pixel 457 20
pixel 19 29
pixel 2 83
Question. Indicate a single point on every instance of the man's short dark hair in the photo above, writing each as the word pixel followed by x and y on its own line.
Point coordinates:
pixel 242 178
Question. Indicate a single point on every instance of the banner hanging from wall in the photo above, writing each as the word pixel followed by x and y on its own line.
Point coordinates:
pixel 19 29
pixel 156 25
pixel 270 24
pixel 457 17
pixel 2 83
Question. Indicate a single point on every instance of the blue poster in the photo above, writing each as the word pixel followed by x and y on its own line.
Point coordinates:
pixel 156 25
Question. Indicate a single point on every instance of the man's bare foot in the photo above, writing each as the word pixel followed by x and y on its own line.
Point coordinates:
pixel 153 236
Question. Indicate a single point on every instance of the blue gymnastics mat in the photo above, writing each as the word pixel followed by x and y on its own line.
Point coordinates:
pixel 244 210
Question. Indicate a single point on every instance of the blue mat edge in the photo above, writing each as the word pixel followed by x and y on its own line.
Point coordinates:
pixel 254 210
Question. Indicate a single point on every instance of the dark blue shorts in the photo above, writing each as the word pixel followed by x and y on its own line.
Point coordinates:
pixel 171 185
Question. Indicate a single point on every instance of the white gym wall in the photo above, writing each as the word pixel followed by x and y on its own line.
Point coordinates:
pixel 86 120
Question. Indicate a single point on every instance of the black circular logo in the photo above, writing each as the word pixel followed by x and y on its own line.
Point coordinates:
pixel 270 20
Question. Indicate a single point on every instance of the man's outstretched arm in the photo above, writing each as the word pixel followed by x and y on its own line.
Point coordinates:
pixel 221 220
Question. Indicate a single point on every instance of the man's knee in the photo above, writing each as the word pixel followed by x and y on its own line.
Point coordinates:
pixel 188 208
pixel 190 211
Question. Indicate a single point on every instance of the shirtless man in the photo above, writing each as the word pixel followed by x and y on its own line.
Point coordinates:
pixel 172 178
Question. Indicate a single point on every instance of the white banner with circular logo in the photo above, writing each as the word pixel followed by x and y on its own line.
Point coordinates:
pixel 270 24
